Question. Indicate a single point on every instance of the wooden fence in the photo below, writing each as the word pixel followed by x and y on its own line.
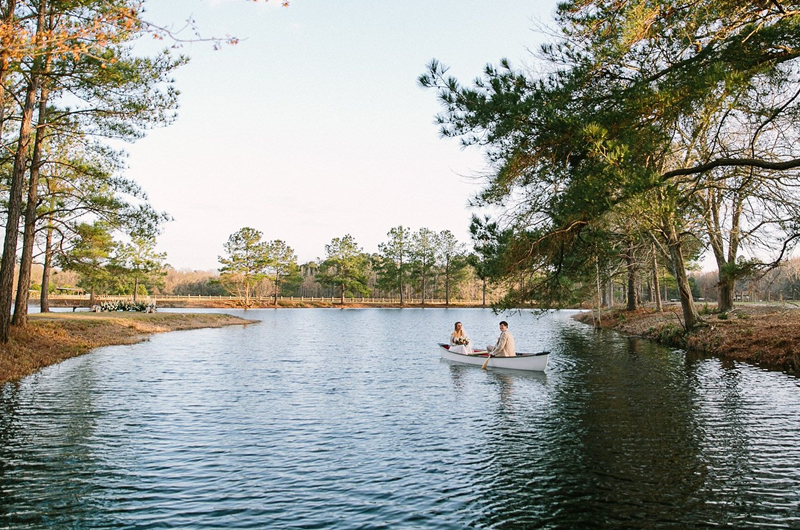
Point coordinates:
pixel 83 300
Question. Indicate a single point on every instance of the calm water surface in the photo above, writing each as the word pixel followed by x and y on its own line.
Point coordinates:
pixel 324 418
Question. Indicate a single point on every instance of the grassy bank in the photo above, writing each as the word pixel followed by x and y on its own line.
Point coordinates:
pixel 768 336
pixel 53 337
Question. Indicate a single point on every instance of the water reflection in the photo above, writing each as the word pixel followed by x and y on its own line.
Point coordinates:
pixel 321 419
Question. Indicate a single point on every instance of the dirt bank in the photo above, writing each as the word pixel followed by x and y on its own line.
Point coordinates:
pixel 53 337
pixel 768 336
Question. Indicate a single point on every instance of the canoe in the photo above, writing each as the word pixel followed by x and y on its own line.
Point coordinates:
pixel 536 362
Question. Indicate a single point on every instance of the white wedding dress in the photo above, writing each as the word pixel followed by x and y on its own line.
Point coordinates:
pixel 466 349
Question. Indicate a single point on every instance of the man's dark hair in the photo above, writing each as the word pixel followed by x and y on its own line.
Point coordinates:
pixel 504 323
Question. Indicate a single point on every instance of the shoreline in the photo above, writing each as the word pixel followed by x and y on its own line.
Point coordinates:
pixel 51 338
pixel 767 336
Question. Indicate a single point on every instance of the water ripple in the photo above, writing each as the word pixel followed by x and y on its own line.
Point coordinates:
pixel 320 419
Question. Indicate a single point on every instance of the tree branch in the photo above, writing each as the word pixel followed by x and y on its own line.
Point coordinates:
pixel 732 162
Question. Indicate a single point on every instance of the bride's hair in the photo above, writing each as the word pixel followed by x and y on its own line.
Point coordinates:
pixel 458 332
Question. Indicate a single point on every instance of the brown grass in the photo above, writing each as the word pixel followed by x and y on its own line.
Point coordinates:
pixel 768 336
pixel 53 337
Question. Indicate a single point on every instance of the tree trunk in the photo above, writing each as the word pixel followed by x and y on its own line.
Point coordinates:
pixel 342 294
pixel 656 286
pixel 690 315
pixel 5 60
pixel 447 286
pixel 631 267
pixel 276 289
pixel 400 282
pixel 484 293
pixel 29 232
pixel 44 296
pixel 422 291
pixel 15 190
pixel 135 289
pixel 14 213
pixel 725 291
pixel 597 322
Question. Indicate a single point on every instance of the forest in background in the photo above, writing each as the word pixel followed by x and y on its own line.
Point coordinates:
pixel 648 133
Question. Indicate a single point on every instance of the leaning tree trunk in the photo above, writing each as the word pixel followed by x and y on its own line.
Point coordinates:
pixel 690 315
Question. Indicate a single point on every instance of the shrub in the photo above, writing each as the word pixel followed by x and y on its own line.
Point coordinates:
pixel 124 305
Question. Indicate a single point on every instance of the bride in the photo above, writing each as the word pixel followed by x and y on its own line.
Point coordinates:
pixel 459 342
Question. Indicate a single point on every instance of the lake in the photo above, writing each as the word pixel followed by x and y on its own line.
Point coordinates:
pixel 329 418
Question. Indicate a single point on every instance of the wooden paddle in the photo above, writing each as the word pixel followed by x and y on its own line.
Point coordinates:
pixel 489 356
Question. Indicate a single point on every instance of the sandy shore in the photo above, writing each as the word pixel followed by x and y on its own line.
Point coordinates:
pixel 766 335
pixel 53 337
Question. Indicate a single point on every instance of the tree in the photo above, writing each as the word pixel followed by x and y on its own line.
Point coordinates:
pixel 606 124
pixel 245 263
pixel 138 261
pixel 90 256
pixel 451 258
pixel 395 260
pixel 489 243
pixel 281 265
pixel 423 252
pixel 345 266
pixel 76 51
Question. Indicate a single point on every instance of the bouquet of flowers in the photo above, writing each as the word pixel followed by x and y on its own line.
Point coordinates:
pixel 462 341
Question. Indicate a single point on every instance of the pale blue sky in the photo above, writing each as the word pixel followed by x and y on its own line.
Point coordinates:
pixel 314 127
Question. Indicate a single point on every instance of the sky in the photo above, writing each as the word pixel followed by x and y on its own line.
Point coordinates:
pixel 314 126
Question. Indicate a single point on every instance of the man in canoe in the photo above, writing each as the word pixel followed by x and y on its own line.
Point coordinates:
pixel 505 343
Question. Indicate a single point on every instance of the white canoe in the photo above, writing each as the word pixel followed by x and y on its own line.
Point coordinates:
pixel 536 362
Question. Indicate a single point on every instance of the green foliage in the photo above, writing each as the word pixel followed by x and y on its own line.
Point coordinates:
pixel 694 287
pixel 423 253
pixel 394 260
pixel 345 266
pixel 90 256
pixel 138 265
pixel 638 99
pixel 281 266
pixel 245 263
pixel 671 334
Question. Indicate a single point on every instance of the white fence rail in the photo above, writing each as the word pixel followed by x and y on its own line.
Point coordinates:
pixel 264 299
